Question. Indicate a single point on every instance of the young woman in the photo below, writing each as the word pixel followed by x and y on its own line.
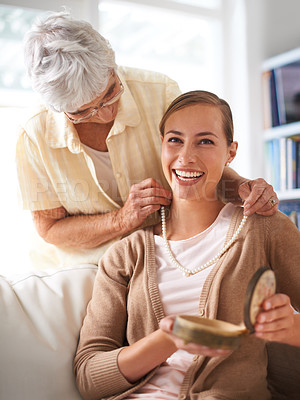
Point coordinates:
pixel 123 350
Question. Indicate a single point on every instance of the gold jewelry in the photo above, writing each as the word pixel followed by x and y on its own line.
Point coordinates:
pixel 187 272
pixel 272 202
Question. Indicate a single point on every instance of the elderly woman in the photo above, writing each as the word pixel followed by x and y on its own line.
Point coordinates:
pixel 88 161
pixel 184 266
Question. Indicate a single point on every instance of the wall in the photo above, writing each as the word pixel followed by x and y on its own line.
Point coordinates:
pixel 281 26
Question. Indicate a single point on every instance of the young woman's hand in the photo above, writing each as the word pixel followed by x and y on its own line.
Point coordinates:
pixel 277 321
pixel 166 325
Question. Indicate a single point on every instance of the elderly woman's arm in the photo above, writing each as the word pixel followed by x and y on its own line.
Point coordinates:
pixel 57 227
pixel 256 194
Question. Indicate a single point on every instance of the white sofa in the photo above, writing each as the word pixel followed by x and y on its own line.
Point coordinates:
pixel 40 319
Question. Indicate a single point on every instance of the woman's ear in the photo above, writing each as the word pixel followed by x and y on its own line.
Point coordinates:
pixel 232 152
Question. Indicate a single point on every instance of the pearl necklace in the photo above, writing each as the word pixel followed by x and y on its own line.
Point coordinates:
pixel 187 272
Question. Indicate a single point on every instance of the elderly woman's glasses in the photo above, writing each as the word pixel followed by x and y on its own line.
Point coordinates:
pixel 89 113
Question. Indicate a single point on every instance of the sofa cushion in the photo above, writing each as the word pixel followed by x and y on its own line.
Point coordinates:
pixel 41 316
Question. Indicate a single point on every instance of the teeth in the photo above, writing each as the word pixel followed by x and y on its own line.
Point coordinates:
pixel 187 174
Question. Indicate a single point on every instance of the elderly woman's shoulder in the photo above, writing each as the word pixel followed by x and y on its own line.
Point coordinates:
pixel 34 122
pixel 31 113
pixel 143 75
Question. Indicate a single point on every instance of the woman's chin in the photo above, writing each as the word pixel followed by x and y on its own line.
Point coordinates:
pixel 191 193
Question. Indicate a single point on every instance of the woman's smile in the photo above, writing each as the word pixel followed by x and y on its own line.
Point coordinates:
pixel 187 177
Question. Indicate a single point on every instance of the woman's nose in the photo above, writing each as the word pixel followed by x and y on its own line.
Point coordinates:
pixel 187 155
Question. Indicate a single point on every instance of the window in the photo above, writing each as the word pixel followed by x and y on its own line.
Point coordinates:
pixel 15 92
pixel 186 46
pixel 181 38
pixel 212 4
pixel 14 85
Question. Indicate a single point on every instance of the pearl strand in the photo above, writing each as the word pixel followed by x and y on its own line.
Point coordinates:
pixel 187 272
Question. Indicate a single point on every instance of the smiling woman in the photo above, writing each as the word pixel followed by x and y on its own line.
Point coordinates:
pixel 194 141
pixel 197 261
pixel 197 133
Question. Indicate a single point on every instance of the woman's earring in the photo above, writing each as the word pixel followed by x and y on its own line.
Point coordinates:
pixel 227 164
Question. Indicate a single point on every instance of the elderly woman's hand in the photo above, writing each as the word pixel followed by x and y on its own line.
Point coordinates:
pixel 259 197
pixel 166 325
pixel 277 321
pixel 144 198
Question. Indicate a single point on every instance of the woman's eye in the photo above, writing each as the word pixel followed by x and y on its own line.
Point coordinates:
pixel 174 140
pixel 206 141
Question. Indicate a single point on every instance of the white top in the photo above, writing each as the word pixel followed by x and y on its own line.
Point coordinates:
pixel 104 172
pixel 180 295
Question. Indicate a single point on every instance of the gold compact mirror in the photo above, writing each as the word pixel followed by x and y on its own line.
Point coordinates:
pixel 224 335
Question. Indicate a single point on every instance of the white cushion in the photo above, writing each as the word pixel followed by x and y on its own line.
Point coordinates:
pixel 40 319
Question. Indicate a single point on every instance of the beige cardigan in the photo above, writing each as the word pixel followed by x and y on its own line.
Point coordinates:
pixel 126 306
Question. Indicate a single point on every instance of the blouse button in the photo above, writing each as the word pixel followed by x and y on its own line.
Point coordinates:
pixel 118 175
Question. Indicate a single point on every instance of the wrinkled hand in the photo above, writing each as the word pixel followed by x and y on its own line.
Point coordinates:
pixel 258 196
pixel 166 325
pixel 276 320
pixel 144 199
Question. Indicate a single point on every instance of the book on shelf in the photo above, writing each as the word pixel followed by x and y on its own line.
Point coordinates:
pixel 290 164
pixel 276 163
pixel 292 210
pixel 281 95
pixel 287 82
pixel 274 100
pixel 283 163
pixel 298 164
pixel 267 114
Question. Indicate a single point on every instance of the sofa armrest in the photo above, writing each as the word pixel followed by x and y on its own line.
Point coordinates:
pixel 41 316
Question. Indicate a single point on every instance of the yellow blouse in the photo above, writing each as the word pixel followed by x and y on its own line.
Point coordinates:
pixel 54 170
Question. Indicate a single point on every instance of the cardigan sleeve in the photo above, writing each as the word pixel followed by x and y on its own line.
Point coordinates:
pixel 283 240
pixel 103 332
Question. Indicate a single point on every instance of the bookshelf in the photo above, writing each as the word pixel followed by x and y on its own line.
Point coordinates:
pixel 281 136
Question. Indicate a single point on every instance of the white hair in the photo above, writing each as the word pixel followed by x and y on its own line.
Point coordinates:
pixel 68 62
